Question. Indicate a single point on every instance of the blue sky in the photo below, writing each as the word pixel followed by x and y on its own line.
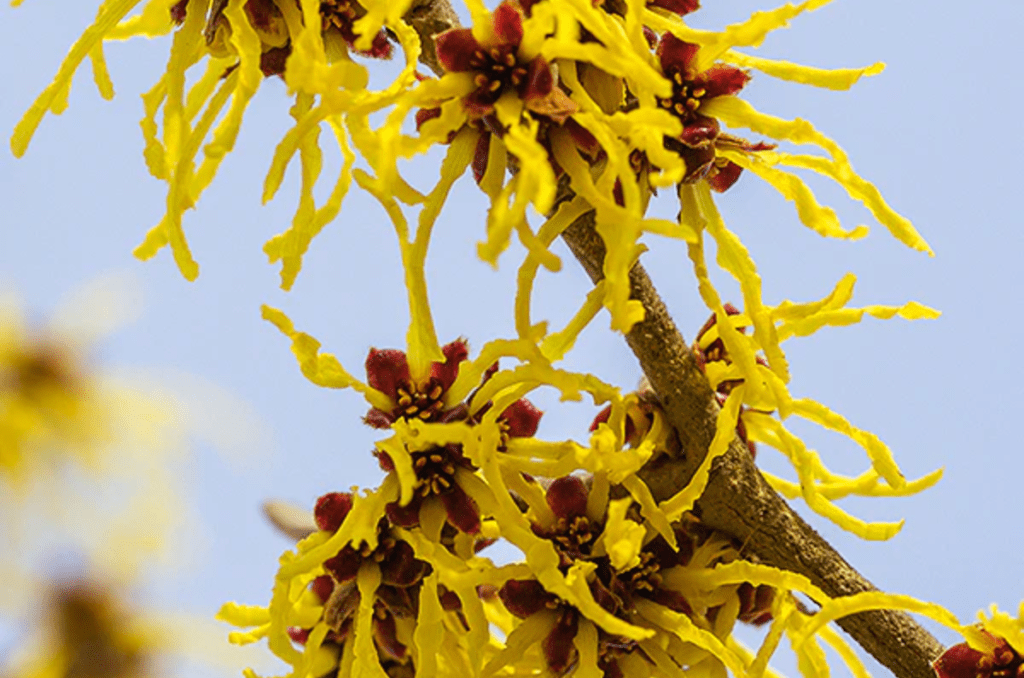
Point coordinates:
pixel 930 132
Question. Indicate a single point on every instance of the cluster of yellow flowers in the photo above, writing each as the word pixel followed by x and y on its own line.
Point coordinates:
pixel 572 107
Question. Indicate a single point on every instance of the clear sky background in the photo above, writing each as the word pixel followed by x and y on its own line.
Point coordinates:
pixel 931 132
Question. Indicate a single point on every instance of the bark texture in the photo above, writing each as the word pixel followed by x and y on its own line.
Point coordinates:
pixel 738 500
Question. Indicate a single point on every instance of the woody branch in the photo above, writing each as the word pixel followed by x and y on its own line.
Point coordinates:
pixel 737 500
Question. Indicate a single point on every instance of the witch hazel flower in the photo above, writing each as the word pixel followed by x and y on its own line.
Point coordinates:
pixel 734 359
pixel 710 350
pixel 269 18
pixel 396 596
pixel 349 598
pixel 503 93
pixel 441 472
pixel 406 392
pixel 998 660
pixel 701 134
pixel 637 575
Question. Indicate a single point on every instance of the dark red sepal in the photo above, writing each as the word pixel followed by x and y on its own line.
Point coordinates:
pixel 462 510
pixel 400 567
pixel 522 418
pixel 179 11
pixel 701 132
pixel 755 603
pixel 480 156
pixel 322 587
pixel 446 372
pixel 378 419
pixel 449 599
pixel 272 61
pixel 723 80
pixel 585 141
pixel 345 565
pixel 567 497
pixel 959 661
pixel 675 55
pixel 331 509
pixel 424 114
pixel 651 37
pixel 380 48
pixel 260 13
pixel 725 177
pixel 386 370
pixel 524 597
pixel 539 80
pixel 298 635
pixel 558 648
pixel 386 637
pixel 455 49
pixel 508 24
pixel 405 516
pixel 384 460
pixel 680 7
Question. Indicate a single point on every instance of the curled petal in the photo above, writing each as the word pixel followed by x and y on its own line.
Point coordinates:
pixel 673 600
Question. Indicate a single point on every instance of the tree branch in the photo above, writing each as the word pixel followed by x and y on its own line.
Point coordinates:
pixel 737 500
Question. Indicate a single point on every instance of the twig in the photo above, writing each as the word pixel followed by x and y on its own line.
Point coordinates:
pixel 737 500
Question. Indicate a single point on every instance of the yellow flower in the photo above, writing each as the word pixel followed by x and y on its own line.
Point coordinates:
pixel 87 632
pixel 89 626
pixel 87 451
pixel 51 405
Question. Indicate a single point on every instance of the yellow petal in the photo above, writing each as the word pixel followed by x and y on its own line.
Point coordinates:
pixel 622 538
pixel 725 431
pixel 835 78
pixel 108 15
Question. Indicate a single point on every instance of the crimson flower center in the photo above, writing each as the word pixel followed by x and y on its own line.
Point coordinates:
pixel 435 471
pixel 574 535
pixel 384 545
pixel 686 97
pixel 497 67
pixel 337 13
pixel 646 576
pixel 424 403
